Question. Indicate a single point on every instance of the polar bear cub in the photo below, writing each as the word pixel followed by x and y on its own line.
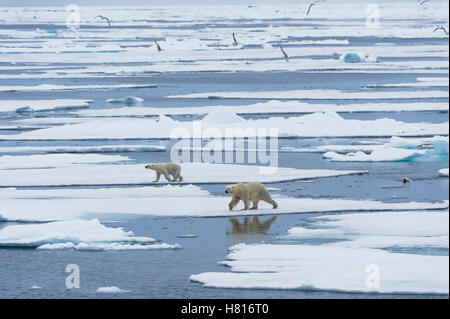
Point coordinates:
pixel 253 192
pixel 166 170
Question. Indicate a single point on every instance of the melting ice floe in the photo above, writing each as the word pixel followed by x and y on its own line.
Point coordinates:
pixel 422 82
pixel 379 230
pixel 105 193
pixel 56 204
pixel 76 234
pixel 133 174
pixel 328 268
pixel 81 149
pixel 443 172
pixel 357 58
pixel 51 87
pixel 327 124
pixel 369 146
pixel 317 95
pixel 56 160
pixel 129 100
pixel 41 105
pixel 111 290
pixel 270 107
pixel 348 264
pixel 398 149
pixel 224 64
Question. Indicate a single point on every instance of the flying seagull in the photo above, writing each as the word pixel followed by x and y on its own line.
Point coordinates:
pixel 158 47
pixel 441 28
pixel 313 4
pixel 309 8
pixel 234 39
pixel 423 2
pixel 104 18
pixel 284 53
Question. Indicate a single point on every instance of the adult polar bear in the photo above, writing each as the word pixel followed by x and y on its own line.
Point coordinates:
pixel 249 192
pixel 166 170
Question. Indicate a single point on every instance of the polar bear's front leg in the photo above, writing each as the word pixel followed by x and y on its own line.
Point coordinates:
pixel 246 201
pixel 234 201
pixel 158 175
pixel 166 175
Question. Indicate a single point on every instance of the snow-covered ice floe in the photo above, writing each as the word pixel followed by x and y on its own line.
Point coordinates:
pixel 75 234
pixel 364 146
pixel 443 172
pixel 269 107
pixel 357 57
pixel 329 268
pixel 52 87
pixel 421 82
pixel 129 100
pixel 379 230
pixel 123 203
pixel 105 193
pixel 317 95
pixel 111 290
pixel 327 124
pixel 397 149
pixel 81 149
pixel 56 160
pixel 41 105
pixel 136 174
pixel 354 264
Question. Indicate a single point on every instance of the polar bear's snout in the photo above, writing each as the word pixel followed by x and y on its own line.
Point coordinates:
pixel 229 189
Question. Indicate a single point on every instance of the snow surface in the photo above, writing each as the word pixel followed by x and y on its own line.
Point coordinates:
pixel 105 193
pixel 397 149
pixel 346 264
pixel 330 268
pixel 380 155
pixel 55 160
pixel 111 290
pixel 270 107
pixel 81 149
pixel 317 95
pixel 328 124
pixel 41 105
pixel 132 174
pixel 129 100
pixel 66 232
pixel 51 87
pixel 357 58
pixel 49 204
pixel 443 172
pixel 380 230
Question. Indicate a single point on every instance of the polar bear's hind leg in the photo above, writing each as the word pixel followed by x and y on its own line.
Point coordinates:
pixel 267 198
pixel 255 203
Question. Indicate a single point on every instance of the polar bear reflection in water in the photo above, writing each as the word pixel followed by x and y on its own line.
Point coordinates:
pixel 251 226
